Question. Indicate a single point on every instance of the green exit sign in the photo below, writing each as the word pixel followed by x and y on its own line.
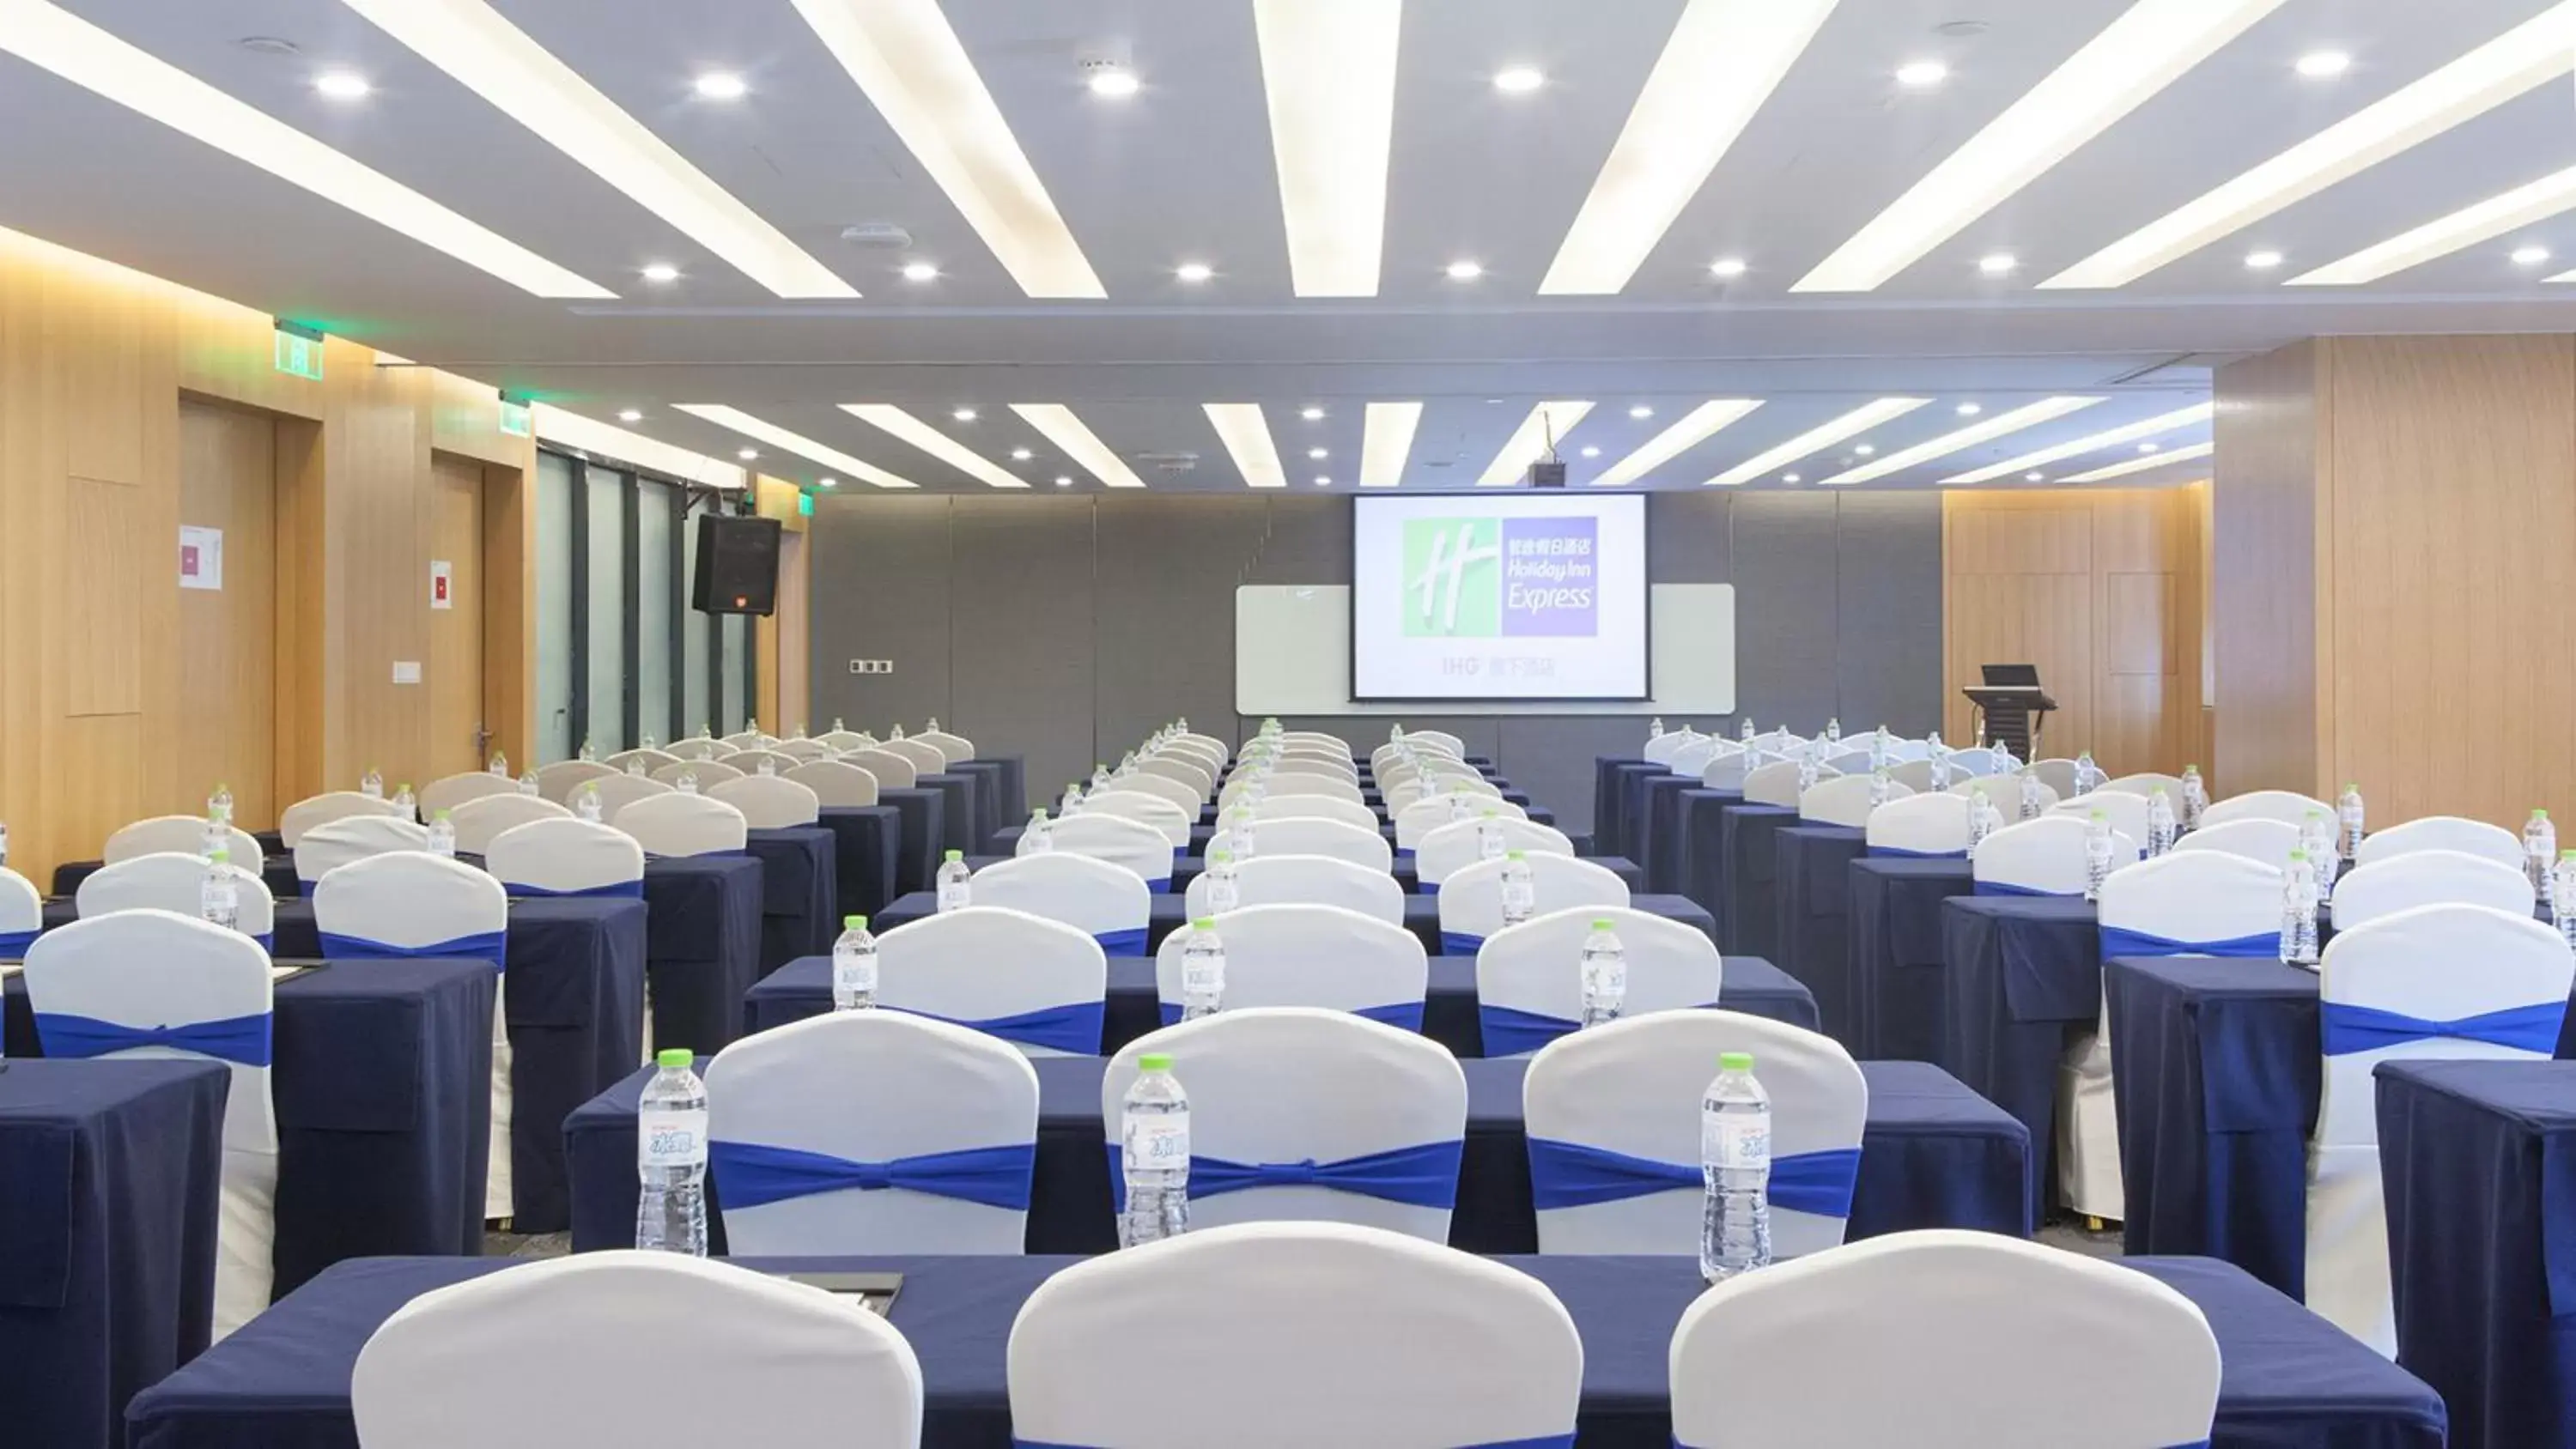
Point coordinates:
pixel 298 355
pixel 805 505
pixel 514 418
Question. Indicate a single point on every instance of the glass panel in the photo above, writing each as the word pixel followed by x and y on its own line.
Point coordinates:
pixel 694 712
pixel 554 610
pixel 608 565
pixel 653 620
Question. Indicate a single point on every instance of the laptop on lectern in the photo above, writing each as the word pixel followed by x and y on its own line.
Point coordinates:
pixel 2012 676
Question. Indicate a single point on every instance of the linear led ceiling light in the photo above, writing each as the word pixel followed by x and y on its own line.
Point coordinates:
pixel 1386 440
pixel 1328 72
pixel 1246 435
pixel 797 443
pixel 1981 431
pixel 2140 465
pixel 2145 428
pixel 1695 426
pixel 934 442
pixel 2458 231
pixel 1817 439
pixel 1072 438
pixel 1546 425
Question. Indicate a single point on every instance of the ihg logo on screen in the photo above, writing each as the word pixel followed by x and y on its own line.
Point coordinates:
pixel 1482 578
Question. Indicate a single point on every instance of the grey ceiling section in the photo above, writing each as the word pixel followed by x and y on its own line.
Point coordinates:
pixel 1065 628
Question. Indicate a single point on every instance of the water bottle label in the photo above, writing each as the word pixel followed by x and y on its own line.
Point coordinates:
pixel 1158 1143
pixel 1743 1142
pixel 952 898
pixel 854 977
pixel 673 1139
pixel 1202 978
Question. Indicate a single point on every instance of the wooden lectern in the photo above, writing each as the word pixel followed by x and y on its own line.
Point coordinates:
pixel 2012 708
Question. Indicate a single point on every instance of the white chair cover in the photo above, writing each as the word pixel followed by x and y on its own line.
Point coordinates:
pixel 1131 843
pixel 2284 805
pixel 453 790
pixel 750 739
pixel 1634 1087
pixel 2405 988
pixel 615 792
pixel 544 1354
pixel 2443 832
pixel 2126 812
pixel 1445 851
pixel 558 781
pixel 2042 857
pixel 2005 791
pixel 478 822
pixel 1973 762
pixel 893 771
pixel 2146 783
pixel 1181 768
pixel 22 914
pixel 1277 783
pixel 1101 898
pixel 322 809
pixel 1895 1341
pixel 650 759
pixel 1914 775
pixel 698 749
pixel 1529 977
pixel 1471 899
pixel 1329 767
pixel 172 881
pixel 1441 740
pixel 1314 880
pixel 770 802
pixel 183 835
pixel 1214 750
pixel 1933 824
pixel 953 748
pixel 1288 1084
pixel 1312 835
pixel 1727 770
pixel 842 741
pixel 1661 748
pixel 750 761
pixel 1843 801
pixel 2265 842
pixel 1316 807
pixel 710 773
pixel 1694 755
pixel 2414 878
pixel 836 785
pixel 326 848
pixel 1423 816
pixel 679 824
pixel 1166 819
pixel 1777 784
pixel 1331 744
pixel 925 759
pixel 566 857
pixel 867 1087
pixel 993 968
pixel 1307 955
pixel 2058 775
pixel 1179 794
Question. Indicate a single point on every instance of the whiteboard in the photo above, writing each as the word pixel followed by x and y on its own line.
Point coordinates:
pixel 1292 656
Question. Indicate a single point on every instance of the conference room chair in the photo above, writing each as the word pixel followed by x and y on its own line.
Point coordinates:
pixel 2183 903
pixel 1451 848
pixel 1301 954
pixel 1216 750
pixel 1973 763
pixel 1145 808
pixel 1040 985
pixel 1404 796
pixel 1133 844
pixel 450 791
pixel 566 856
pixel 684 824
pixel 616 792
pixel 2266 842
pixel 1441 740
pixel 1943 1338
pixel 1312 835
pixel 1178 794
pixel 2005 791
pixel 326 848
pixel 1315 807
pixel 152 983
pixel 22 914
pixel 174 880
pixel 836 785
pixel 322 809
pixel 2443 832
pixel 925 759
pixel 804 752
pixel 1661 748
pixel 1304 1114
pixel 478 822
pixel 956 749
pixel 2435 982
pixel 2126 812
pixel 893 771
pixel 1727 769
pixel 1181 769
pixel 1422 817
pixel 1239 788
pixel 770 802
pixel 1323 757
pixel 1843 801
pixel 1314 880
pixel 709 773
pixel 872 1132
pixel 559 781
pixel 1330 743
pixel 1846 760
pixel 2414 878
pixel 841 742
pixel 2042 857
pixel 1914 775
pixel 750 761
pixel 180 834
pixel 544 1354
pixel 748 739
pixel 1920 825
pixel 1471 899
pixel 2058 775
pixel 651 759
pixel 1775 784
pixel 1100 898
pixel 407 904
pixel 2147 782
pixel 1529 977
pixel 1614 1132
pixel 2287 806
pixel 698 749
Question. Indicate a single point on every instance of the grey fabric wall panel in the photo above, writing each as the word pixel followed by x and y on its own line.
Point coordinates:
pixel 1787 608
pixel 1021 662
pixel 1690 537
pixel 1888 656
pixel 1165 635
pixel 880 574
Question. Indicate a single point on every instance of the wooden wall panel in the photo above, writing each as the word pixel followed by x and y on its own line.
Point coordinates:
pixel 2268 515
pixel 455 665
pixel 228 637
pixel 103 541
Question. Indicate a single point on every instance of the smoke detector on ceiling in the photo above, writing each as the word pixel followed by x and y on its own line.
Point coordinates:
pixel 1960 28
pixel 1170 462
pixel 269 45
pixel 877 236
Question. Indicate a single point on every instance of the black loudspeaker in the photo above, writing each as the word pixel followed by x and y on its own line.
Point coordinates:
pixel 737 566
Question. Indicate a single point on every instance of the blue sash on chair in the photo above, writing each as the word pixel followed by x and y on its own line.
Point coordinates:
pixel 1569 1174
pixel 1552 1441
pixel 749 1174
pixel 267 942
pixel 1074 1027
pixel 1898 852
pixel 14 944
pixel 1122 943
pixel 1404 1014
pixel 1460 943
pixel 1509 1031
pixel 492 946
pixel 2121 941
pixel 241 1039
pixel 2348 1028
pixel 1424 1176
pixel 2007 888
pixel 618 889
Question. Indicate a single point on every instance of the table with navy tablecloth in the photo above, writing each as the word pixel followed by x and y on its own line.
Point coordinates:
pixel 1750 984
pixel 1747 847
pixel 1660 840
pixel 995 804
pixel 276 871
pixel 2288 1380
pixel 2021 975
pixel 1167 911
pixel 799 881
pixel 866 842
pixel 1703 846
pixel 1897 990
pixel 381 1078
pixel 923 829
pixel 2478 1165
pixel 959 794
pixel 1932 1155
pixel 701 945
pixel 1636 788
pixel 1811 914
pixel 109 1181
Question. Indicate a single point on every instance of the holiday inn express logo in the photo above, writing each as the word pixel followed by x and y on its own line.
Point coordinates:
pixel 1482 578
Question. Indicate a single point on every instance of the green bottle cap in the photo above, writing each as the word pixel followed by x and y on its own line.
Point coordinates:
pixel 854 923
pixel 669 1057
pixel 1154 1062
pixel 1601 923
pixel 1735 1061
pixel 956 855
pixel 1204 923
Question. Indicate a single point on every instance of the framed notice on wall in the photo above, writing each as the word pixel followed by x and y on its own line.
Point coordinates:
pixel 201 558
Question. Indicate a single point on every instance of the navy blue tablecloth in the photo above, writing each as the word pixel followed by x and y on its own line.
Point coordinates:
pixel 2478 1162
pixel 1609 794
pixel 2289 1380
pixel 957 813
pixel 2216 1069
pixel 1897 992
pixel 702 945
pixel 381 1080
pixel 799 882
pixel 992 812
pixel 276 871
pixel 866 842
pixel 109 1175
pixel 1167 912
pixel 1699 845
pixel 803 988
pixel 2020 974
pixel 924 833
pixel 1634 805
pixel 1932 1155
pixel 1811 910
pixel 1661 839
pixel 1746 846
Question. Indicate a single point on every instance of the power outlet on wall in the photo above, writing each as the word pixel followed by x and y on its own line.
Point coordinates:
pixel 872 666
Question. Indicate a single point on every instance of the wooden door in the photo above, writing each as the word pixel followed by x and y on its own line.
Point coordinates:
pixel 456 630
pixel 228 635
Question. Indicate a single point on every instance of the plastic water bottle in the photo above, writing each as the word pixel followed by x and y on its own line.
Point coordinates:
pixel 219 805
pixel 2539 849
pixel 854 966
pixel 1241 839
pixel 1099 775
pixel 1834 730
pixel 2160 823
pixel 218 895
pixel 1458 806
pixel 768 766
pixel 2317 838
pixel 1744 730
pixel 1202 971
pixel 2563 898
pixel 932 727
pixel 1490 844
pixel 2195 797
pixel 1605 975
pixel 671 1158
pixel 838 727
pixel 4 844
pixel 1154 1150
pixel 688 782
pixel 1939 759
pixel 1735 1164
pixel 372 783
pixel 405 807
pixel 650 742
pixel 2002 758
pixel 1070 800
pixel 1039 838
pixel 219 821
pixel 956 890
pixel 1520 889
pixel 1810 766
pixel 1882 787
pixel 1654 729
pixel 2299 912
pixel 442 835
pixel 1224 890
pixel 2097 854
pixel 586 804
pixel 2348 818
pixel 635 766
pixel 528 782
pixel 589 751
pixel 2034 795
pixel 1982 817
pixel 2088 775
pixel 499 764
